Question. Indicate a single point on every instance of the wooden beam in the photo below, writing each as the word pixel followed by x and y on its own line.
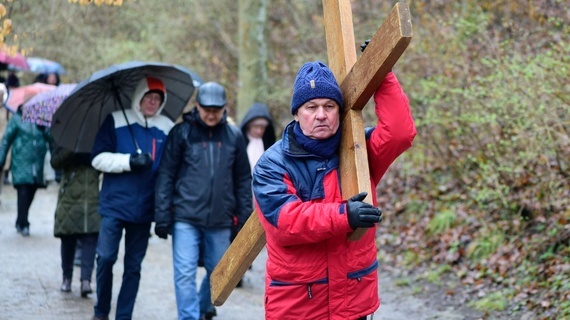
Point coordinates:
pixel 339 33
pixel 353 166
pixel 246 247
pixel 385 48
pixel 380 56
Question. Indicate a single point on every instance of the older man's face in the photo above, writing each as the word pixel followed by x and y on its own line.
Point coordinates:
pixel 150 103
pixel 319 118
pixel 211 116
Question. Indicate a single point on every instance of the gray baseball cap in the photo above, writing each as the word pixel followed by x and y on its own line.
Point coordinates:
pixel 211 95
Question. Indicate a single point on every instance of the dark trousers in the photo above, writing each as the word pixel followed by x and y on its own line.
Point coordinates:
pixel 68 244
pixel 136 243
pixel 26 194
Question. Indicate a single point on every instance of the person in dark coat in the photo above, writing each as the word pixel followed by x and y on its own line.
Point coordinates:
pixel 204 181
pixel 76 216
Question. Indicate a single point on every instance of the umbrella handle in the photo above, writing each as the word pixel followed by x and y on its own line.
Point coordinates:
pixel 139 151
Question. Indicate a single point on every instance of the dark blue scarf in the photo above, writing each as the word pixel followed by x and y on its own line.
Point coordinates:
pixel 323 148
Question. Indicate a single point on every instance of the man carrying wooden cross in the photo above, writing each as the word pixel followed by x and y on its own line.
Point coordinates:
pixel 314 271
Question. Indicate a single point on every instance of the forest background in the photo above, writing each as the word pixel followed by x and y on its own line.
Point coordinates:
pixel 483 196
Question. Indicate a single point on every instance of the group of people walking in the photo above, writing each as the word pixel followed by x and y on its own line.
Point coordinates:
pixel 200 179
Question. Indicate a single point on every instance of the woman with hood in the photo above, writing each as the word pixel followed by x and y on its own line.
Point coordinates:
pixel 258 131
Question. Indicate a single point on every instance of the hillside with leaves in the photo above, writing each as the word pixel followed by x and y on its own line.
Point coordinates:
pixel 483 196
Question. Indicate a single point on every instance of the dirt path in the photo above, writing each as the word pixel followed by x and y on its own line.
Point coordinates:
pixel 30 276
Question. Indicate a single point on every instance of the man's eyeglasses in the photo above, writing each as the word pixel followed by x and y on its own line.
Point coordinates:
pixel 152 97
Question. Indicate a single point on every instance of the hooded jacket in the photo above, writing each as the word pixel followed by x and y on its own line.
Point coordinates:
pixel 126 195
pixel 313 271
pixel 259 110
pixel 204 177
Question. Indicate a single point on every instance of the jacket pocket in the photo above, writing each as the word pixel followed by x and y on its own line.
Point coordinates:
pixel 362 289
pixel 297 300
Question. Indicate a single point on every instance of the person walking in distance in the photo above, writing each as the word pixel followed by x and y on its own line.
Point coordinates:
pixel 259 134
pixel 29 144
pixel 76 216
pixel 258 131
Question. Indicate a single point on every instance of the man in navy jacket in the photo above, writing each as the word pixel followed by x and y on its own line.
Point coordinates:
pixel 126 201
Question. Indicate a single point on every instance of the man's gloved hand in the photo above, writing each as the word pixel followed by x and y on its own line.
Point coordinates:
pixel 161 231
pixel 364 45
pixel 140 162
pixel 362 214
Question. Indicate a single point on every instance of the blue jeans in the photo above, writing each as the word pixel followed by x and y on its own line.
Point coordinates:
pixel 136 243
pixel 186 239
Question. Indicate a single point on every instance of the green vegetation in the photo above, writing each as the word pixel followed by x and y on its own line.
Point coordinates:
pixel 493 302
pixel 441 222
pixel 434 275
pixel 487 188
pixel 483 246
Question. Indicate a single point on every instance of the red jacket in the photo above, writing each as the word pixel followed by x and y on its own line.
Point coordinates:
pixel 313 270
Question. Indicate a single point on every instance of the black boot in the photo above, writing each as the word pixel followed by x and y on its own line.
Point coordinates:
pixel 66 285
pixel 211 313
pixel 85 288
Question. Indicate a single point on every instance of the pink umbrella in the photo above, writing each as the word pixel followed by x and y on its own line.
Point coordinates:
pixel 41 107
pixel 16 60
pixel 18 96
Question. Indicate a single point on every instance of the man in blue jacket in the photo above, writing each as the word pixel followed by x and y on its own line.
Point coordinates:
pixel 204 181
pixel 126 201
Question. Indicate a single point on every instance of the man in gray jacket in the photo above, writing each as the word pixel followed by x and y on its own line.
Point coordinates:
pixel 203 190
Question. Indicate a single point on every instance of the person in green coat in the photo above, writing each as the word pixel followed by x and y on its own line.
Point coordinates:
pixel 29 143
pixel 76 215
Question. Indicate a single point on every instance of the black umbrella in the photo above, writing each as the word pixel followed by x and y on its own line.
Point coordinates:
pixel 76 122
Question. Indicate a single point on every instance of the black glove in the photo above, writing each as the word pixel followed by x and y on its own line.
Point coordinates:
pixel 364 45
pixel 362 214
pixel 82 159
pixel 140 162
pixel 235 230
pixel 161 231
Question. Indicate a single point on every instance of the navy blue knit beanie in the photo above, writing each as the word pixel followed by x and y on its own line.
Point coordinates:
pixel 314 80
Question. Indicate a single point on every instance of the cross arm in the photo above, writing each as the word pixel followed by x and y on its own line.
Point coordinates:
pixel 385 48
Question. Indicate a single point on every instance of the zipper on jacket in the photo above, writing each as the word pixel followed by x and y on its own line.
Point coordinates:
pixel 210 146
pixel 85 206
pixel 309 291
pixel 357 275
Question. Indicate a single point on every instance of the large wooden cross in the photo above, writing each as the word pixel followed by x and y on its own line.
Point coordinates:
pixel 357 86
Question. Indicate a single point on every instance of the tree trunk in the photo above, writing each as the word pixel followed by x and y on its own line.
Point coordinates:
pixel 252 65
